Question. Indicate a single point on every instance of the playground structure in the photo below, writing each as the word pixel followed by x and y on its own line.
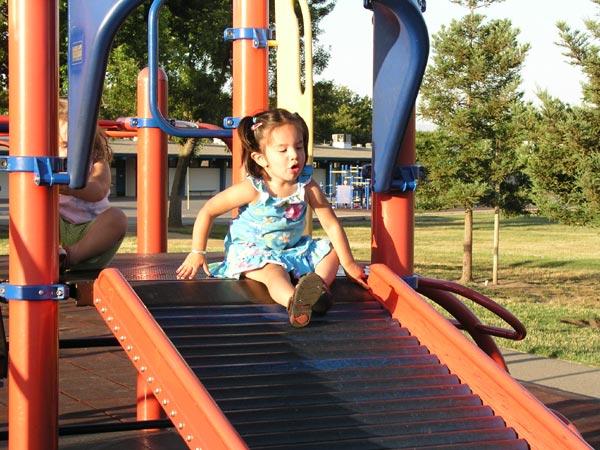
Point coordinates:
pixel 347 187
pixel 469 377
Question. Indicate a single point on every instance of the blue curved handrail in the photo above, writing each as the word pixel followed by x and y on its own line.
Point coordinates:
pixel 160 120
pixel 401 49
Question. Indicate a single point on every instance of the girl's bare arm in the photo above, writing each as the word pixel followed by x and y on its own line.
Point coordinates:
pixel 97 186
pixel 234 197
pixel 335 233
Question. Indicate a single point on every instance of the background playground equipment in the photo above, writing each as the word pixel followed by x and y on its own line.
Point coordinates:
pixel 347 188
pixel 126 297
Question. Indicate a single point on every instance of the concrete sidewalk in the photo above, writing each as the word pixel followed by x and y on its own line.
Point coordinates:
pixel 554 373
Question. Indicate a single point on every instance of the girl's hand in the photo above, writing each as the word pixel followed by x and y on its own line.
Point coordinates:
pixel 356 272
pixel 190 266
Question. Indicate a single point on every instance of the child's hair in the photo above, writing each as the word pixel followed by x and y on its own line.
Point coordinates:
pixel 254 130
pixel 101 150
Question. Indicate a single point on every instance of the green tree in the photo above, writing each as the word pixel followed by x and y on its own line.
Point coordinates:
pixel 563 162
pixel 563 159
pixel 339 110
pixel 471 93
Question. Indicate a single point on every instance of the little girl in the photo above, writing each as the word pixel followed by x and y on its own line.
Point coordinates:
pixel 91 231
pixel 265 241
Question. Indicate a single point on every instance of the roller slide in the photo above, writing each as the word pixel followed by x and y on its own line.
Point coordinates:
pixel 380 370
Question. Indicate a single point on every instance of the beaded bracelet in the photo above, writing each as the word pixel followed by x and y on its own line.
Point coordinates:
pixel 198 252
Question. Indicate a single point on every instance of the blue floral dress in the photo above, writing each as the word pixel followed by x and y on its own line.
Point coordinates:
pixel 270 231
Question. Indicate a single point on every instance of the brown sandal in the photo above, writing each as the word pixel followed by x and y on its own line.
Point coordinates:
pixel 324 303
pixel 309 289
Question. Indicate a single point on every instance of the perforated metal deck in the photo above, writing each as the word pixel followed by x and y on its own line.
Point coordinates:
pixel 353 379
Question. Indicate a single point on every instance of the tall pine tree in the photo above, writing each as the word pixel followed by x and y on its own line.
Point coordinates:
pixel 471 93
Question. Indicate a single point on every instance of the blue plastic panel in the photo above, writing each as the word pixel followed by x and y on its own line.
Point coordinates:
pixel 401 49
pixel 92 28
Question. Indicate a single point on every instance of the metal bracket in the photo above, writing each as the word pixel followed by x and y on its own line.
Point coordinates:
pixel 260 36
pixel 47 170
pixel 412 281
pixel 146 122
pixel 404 178
pixel 33 292
pixel 231 122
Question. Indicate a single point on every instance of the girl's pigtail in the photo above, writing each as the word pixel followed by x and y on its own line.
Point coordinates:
pixel 249 142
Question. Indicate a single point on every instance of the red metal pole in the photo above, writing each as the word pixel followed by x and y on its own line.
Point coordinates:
pixel 393 218
pixel 33 226
pixel 152 195
pixel 250 80
pixel 152 181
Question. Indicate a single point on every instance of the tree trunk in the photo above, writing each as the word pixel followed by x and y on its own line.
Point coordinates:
pixel 496 258
pixel 467 269
pixel 187 151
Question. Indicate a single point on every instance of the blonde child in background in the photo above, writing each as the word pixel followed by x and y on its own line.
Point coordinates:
pixel 266 240
pixel 91 231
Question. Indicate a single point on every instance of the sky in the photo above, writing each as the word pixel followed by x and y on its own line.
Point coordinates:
pixel 349 35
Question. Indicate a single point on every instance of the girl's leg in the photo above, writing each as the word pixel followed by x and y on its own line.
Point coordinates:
pixel 108 229
pixel 328 267
pixel 277 281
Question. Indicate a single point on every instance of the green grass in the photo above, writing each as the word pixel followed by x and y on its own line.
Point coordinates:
pixel 548 274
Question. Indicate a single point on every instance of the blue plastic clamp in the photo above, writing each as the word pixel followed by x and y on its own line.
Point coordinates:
pixel 47 170
pixel 412 281
pixel 147 122
pixel 260 36
pixel 33 292
pixel 405 177
pixel 231 122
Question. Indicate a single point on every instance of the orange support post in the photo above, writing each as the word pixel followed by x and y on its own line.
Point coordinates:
pixel 152 194
pixel 33 219
pixel 152 181
pixel 250 80
pixel 393 218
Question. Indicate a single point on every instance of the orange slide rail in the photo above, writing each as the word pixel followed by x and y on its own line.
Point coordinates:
pixel 518 407
pixel 194 414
